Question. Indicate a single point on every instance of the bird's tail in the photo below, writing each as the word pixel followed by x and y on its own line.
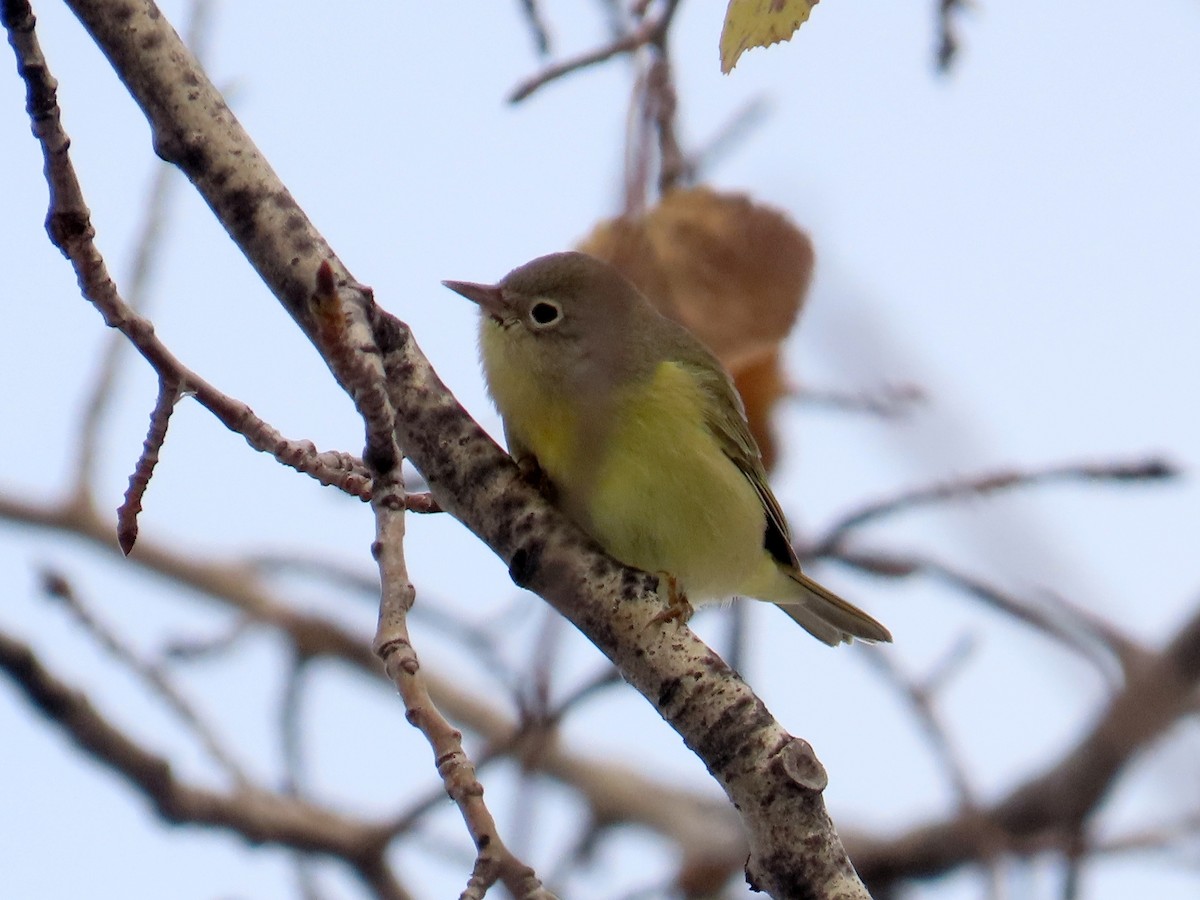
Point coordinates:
pixel 828 617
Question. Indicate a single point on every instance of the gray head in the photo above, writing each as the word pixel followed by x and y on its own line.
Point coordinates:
pixel 572 315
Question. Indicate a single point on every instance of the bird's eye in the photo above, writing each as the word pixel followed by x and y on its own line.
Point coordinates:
pixel 544 313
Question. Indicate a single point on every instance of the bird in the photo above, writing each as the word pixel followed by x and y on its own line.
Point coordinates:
pixel 642 439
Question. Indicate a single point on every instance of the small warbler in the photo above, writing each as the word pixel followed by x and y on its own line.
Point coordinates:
pixel 643 438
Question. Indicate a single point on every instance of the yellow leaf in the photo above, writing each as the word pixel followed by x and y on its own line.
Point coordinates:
pixel 759 23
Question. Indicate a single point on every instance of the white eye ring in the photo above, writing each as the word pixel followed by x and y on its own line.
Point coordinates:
pixel 545 313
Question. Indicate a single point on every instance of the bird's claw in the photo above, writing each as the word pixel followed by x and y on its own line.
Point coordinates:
pixel 678 609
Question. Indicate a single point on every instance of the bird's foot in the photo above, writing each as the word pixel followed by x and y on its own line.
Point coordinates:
pixel 678 608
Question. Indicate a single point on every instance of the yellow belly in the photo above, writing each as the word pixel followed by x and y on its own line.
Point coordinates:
pixel 668 499
pixel 652 485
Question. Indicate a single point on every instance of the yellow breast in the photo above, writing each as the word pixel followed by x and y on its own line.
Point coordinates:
pixel 536 412
pixel 667 498
pixel 644 475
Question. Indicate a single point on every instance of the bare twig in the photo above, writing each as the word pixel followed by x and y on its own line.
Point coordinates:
pixel 1183 830
pixel 948 44
pixel 101 384
pixel 651 138
pixel 422 503
pixel 69 225
pixel 891 402
pixel 291 739
pixel 147 246
pixel 290 732
pixel 537 26
pixel 922 699
pixel 662 103
pixel 648 32
pixel 728 136
pixel 1148 469
pixel 393 645
pixel 533 699
pixel 355 358
pixel 673 165
pixel 1060 623
pixel 192 648
pixel 607 677
pixel 169 393
pixel 57 586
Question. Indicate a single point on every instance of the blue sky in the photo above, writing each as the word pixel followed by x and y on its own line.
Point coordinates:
pixel 1018 238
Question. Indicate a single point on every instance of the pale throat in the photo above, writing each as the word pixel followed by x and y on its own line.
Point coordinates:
pixel 538 408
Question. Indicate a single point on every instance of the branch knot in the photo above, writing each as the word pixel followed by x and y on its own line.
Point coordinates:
pixel 800 764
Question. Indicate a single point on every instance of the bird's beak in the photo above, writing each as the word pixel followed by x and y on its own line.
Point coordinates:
pixel 488 297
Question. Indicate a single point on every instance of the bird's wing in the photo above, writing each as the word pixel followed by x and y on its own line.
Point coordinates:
pixel 726 419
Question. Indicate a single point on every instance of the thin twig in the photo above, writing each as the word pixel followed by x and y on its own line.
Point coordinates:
pixel 69 224
pixel 673 165
pixel 57 586
pixel 892 402
pixel 291 735
pixel 147 252
pixel 947 39
pixel 922 699
pixel 534 706
pixel 649 31
pixel 291 738
pixel 191 648
pixel 651 141
pixel 662 104
pixel 1148 469
pixel 728 136
pixel 102 383
pixel 494 861
pixel 169 393
pixel 355 358
pixel 258 815
pixel 1185 829
pixel 1060 624
pixel 537 27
